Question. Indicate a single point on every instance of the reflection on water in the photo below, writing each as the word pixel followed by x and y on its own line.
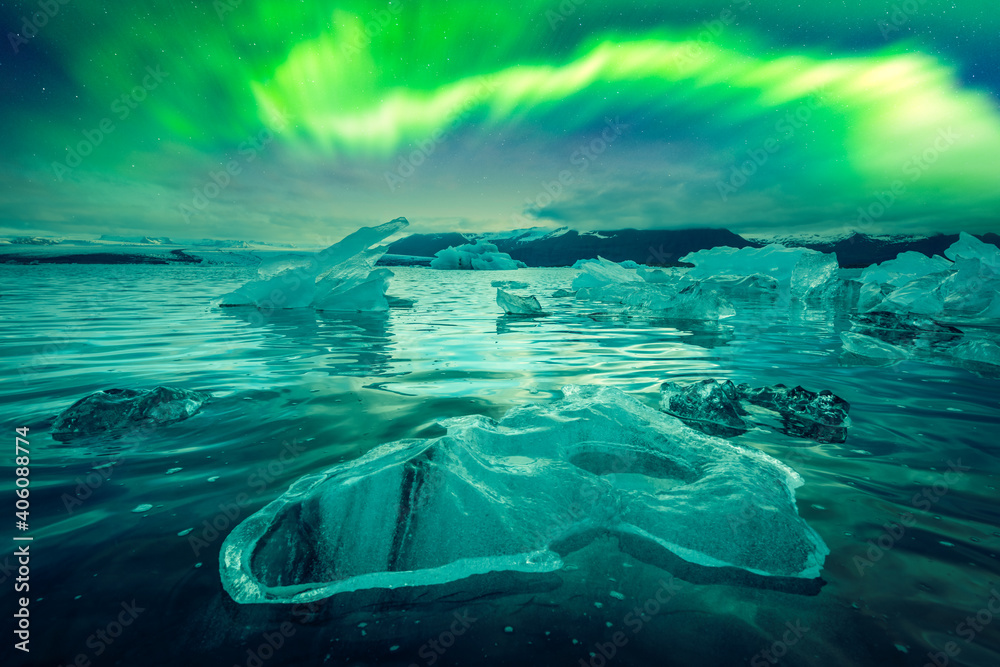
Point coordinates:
pixel 299 391
pixel 356 344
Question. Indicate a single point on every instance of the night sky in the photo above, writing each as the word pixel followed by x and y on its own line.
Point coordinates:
pixel 289 121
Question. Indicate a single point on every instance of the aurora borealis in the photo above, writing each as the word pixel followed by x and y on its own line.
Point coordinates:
pixel 300 121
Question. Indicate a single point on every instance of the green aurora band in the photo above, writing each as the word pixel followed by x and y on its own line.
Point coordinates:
pixel 760 134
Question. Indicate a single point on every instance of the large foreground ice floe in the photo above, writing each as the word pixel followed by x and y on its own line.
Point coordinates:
pixel 519 494
pixel 342 277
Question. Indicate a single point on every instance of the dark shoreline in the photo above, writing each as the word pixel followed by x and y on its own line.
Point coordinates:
pixel 175 257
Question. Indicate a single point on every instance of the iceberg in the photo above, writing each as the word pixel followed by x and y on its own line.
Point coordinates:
pixel 747 285
pixel 693 301
pixel 968 247
pixel 815 276
pixel 970 286
pixel 716 407
pixel 340 277
pixel 492 497
pixel 823 407
pixel 819 416
pixel 870 295
pixel 712 406
pixel 910 324
pixel 907 266
pixel 799 272
pixel 991 311
pixel 363 293
pixel 509 284
pixel 355 285
pixel 962 288
pixel 871 348
pixel 476 256
pixel 977 351
pixel 608 282
pixel 655 275
pixel 602 272
pixel 889 336
pixel 115 412
pixel 518 305
pixel 626 264
pixel 920 296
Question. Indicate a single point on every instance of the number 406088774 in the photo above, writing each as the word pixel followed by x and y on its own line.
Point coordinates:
pixel 21 461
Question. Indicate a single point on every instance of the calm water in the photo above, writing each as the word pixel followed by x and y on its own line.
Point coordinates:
pixel 322 388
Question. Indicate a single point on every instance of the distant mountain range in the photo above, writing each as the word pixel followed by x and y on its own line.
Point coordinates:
pixel 537 246
pixel 563 247
pixel 657 247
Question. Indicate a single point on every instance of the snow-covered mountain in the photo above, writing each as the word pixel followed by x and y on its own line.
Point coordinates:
pixel 540 246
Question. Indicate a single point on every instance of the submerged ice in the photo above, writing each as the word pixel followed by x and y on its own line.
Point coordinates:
pixel 718 407
pixel 712 405
pixel 114 412
pixel 821 416
pixel 340 278
pixel 492 496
